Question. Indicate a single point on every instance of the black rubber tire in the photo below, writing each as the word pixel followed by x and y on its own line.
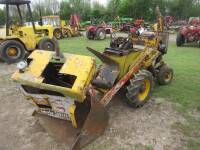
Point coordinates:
pixel 180 40
pixel 46 44
pixel 165 71
pixel 99 32
pixel 89 35
pixel 12 44
pixel 135 86
pixel 58 34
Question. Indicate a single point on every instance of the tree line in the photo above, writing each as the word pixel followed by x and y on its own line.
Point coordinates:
pixel 180 9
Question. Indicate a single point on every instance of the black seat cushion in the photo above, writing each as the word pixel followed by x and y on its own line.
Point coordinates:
pixel 116 51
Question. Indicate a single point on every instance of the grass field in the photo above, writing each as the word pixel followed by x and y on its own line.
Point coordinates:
pixel 184 91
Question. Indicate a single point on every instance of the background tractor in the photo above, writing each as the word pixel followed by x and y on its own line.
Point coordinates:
pixel 61 30
pixel 20 38
pixel 188 34
pixel 71 87
pixel 99 32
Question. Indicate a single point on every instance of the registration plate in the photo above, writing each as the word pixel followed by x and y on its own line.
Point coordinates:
pixel 54 114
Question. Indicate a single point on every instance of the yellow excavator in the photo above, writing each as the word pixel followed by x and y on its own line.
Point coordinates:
pixel 61 30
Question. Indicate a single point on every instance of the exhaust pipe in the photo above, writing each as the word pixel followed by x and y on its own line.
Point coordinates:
pixel 58 54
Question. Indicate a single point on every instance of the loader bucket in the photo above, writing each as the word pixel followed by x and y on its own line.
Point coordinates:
pixel 63 132
pixel 94 126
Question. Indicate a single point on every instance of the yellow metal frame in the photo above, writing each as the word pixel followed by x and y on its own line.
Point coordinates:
pixel 83 67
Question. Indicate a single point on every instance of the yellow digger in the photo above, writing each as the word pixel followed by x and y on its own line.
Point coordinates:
pixel 61 30
pixel 20 38
pixel 74 90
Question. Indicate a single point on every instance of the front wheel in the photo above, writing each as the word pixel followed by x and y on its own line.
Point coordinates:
pixel 46 44
pixel 101 34
pixel 12 51
pixel 165 75
pixel 140 88
pixel 180 40
pixel 66 33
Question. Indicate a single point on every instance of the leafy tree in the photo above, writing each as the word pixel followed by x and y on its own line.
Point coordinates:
pixel 81 7
pixel 113 8
pixel 99 11
pixel 65 10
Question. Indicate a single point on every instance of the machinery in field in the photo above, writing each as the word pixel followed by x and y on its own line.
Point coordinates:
pixel 188 34
pixel 71 87
pixel 131 27
pixel 61 30
pixel 20 38
pixel 99 32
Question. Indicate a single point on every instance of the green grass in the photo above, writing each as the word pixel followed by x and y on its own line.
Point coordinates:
pixel 184 90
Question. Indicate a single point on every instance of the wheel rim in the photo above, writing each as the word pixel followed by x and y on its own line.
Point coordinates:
pixel 12 52
pixel 168 77
pixel 48 46
pixel 144 91
pixel 102 35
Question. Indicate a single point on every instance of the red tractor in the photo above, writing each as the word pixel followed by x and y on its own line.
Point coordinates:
pixel 188 34
pixel 98 32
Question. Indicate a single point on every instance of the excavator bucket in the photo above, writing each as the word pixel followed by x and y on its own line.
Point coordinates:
pixel 63 132
pixel 94 126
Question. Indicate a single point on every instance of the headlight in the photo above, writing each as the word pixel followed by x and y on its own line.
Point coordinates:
pixel 22 66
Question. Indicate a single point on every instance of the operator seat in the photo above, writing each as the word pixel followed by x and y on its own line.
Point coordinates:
pixel 106 76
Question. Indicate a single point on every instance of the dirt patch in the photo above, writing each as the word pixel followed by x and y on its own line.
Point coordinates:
pixel 147 127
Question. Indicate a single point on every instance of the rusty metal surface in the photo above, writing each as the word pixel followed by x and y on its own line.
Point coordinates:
pixel 94 126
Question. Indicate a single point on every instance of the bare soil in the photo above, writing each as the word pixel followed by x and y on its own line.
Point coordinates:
pixel 149 127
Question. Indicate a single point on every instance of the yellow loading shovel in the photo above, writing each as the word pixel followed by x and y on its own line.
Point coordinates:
pixel 97 119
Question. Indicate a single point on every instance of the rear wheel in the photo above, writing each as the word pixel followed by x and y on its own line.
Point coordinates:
pixel 46 44
pixel 165 75
pixel 140 88
pixel 57 34
pixel 66 33
pixel 89 35
pixel 12 51
pixel 101 34
pixel 180 40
